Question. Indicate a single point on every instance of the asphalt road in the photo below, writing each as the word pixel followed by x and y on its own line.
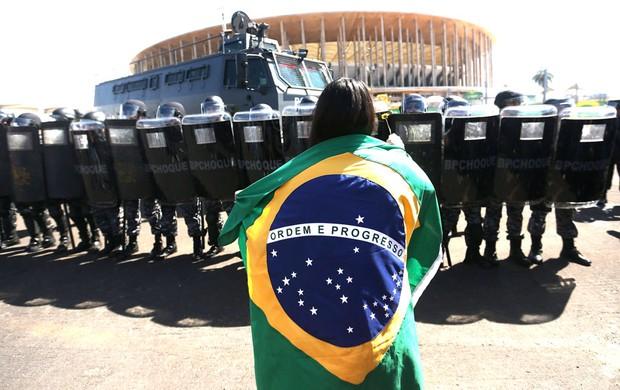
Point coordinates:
pixel 86 322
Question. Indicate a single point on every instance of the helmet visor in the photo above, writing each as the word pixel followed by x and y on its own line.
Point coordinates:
pixel 166 112
pixel 211 107
pixel 129 111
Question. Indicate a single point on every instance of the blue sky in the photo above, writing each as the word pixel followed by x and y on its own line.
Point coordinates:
pixel 56 52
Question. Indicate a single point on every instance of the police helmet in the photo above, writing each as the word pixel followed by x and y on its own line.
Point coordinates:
pixel 509 98
pixel 413 102
pixel 560 104
pixel 455 101
pixel 170 110
pixel 26 119
pixel 212 104
pixel 436 103
pixel 94 116
pixel 132 109
pixel 64 114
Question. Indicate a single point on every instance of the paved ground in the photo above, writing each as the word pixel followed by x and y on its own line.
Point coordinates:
pixel 84 322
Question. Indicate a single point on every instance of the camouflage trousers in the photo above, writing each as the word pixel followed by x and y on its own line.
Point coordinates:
pixel 214 209
pixel 493 215
pixel 473 216
pixel 80 214
pixel 35 218
pixel 108 219
pixel 565 227
pixel 8 219
pixel 189 211
pixel 133 213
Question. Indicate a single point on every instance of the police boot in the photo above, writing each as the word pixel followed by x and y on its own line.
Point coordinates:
pixel 570 253
pixel 131 247
pixel 84 243
pixel 171 245
pixel 116 243
pixel 95 242
pixel 158 248
pixel 490 253
pixel 214 250
pixel 10 241
pixel 535 255
pixel 63 244
pixel 473 239
pixel 197 254
pixel 34 245
pixel 48 239
pixel 516 254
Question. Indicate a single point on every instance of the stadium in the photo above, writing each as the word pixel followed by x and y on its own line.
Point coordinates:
pixel 391 51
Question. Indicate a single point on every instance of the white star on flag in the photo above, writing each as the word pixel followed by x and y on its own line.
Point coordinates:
pixel 286 280
pixel 350 330
pixel 279 290
pixel 385 307
pixel 313 311
pixel 328 280
pixel 344 299
pixel 365 306
pixel 395 276
pixel 274 253
pixel 392 298
pixel 398 283
pixel 293 275
pixel 340 271
pixel 308 262
pixel 372 315
pixel 337 287
pixel 387 314
pixel 301 303
pixel 384 297
pixel 300 292
pixel 359 219
pixel 349 279
pixel 375 304
pixel 356 250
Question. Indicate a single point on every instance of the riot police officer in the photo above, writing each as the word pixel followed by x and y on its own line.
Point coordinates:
pixel 564 219
pixel 108 214
pixel 190 211
pixel 514 212
pixel 136 109
pixel 34 213
pixel 78 210
pixel 214 104
pixel 8 213
pixel 473 214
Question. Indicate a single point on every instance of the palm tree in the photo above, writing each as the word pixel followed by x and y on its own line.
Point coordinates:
pixel 543 78
pixel 576 88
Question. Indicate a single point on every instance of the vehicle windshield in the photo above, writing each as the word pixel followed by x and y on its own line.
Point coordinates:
pixel 307 73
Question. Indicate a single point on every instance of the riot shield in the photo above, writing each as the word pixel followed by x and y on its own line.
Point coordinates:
pixel 211 154
pixel 61 176
pixel 296 127
pixel 259 144
pixel 133 179
pixel 5 165
pixel 470 155
pixel 583 151
pixel 524 152
pixel 166 155
pixel 26 159
pixel 422 135
pixel 94 162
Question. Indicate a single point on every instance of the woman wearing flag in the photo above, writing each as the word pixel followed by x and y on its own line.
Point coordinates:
pixel 338 245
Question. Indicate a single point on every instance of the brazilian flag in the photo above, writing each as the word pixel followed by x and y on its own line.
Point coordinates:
pixel 338 245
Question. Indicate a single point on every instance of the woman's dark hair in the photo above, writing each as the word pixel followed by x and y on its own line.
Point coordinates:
pixel 345 107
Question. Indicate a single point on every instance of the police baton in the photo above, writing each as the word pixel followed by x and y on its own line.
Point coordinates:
pixel 68 222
